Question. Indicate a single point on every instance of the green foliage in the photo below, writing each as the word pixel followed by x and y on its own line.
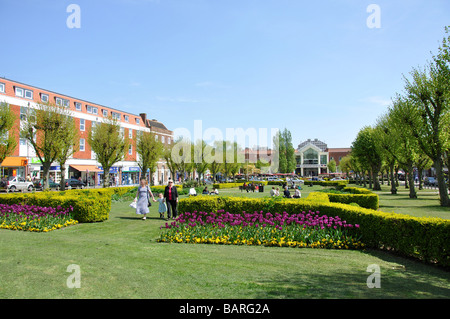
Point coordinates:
pixel 7 139
pixel 88 205
pixel 427 239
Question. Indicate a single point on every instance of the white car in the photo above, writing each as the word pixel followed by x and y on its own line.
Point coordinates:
pixel 16 183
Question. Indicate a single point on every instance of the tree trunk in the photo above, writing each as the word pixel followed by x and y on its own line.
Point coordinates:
pixel 412 189
pixel 443 192
pixel 46 169
pixel 419 173
pixel 393 187
pixel 62 183
pixel 376 183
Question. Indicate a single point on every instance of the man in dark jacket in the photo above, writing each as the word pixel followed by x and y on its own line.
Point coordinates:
pixel 171 196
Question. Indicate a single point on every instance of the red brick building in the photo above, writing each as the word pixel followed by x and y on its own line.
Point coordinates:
pixel 24 162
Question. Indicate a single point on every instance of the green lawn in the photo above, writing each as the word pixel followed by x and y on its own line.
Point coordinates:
pixel 120 258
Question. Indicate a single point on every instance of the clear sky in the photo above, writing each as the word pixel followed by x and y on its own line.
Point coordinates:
pixel 314 67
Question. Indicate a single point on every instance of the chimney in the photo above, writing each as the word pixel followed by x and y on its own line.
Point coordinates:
pixel 143 116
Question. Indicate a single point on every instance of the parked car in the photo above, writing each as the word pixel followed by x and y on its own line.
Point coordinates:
pixel 430 181
pixel 39 184
pixel 75 183
pixel 15 183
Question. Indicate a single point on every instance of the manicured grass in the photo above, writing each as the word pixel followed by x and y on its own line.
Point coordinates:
pixel 120 258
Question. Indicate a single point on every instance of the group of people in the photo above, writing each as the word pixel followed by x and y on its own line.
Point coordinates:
pixel 286 193
pixel 168 200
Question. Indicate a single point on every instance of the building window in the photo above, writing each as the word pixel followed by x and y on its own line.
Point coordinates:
pixel 81 144
pixel 115 116
pixel 95 110
pixel 62 102
pixel 130 133
pixel 89 109
pixel 137 121
pixel 77 106
pixel 2 87
pixel 23 113
pixel 323 159
pixel 44 97
pixel 82 124
pixel 126 118
pixel 162 139
pixel 168 140
pixel 156 137
pixel 130 150
pixel 29 94
pixel 19 92
pixel 105 113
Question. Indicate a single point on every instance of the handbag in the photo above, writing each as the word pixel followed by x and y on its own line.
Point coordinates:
pixel 133 204
pixel 149 203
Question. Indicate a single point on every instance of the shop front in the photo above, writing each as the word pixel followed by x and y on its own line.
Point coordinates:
pixel 14 166
pixel 114 176
pixel 87 173
pixel 130 175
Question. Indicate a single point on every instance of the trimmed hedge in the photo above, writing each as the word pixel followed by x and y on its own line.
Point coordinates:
pixel 231 185
pixel 370 201
pixel 427 239
pixel 91 205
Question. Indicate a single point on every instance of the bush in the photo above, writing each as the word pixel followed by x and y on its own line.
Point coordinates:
pixel 231 185
pixel 370 201
pixel 91 205
pixel 427 239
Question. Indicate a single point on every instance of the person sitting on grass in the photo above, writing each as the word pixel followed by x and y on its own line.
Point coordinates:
pixel 215 191
pixel 286 193
pixel 192 192
pixel 272 192
pixel 205 191
pixel 297 193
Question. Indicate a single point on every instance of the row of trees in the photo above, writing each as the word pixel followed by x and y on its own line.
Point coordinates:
pixel 54 136
pixel 414 133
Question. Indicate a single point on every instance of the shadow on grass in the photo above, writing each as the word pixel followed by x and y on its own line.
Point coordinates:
pixel 399 279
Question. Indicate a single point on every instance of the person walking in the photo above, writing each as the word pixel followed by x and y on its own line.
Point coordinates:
pixel 171 196
pixel 162 209
pixel 143 198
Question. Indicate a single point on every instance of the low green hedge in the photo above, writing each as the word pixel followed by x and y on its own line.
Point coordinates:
pixel 91 205
pixel 231 185
pixel 427 239
pixel 370 201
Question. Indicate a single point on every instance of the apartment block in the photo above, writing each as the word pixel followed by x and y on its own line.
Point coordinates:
pixel 83 164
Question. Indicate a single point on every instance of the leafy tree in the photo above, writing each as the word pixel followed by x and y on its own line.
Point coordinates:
pixel 332 166
pixel 150 151
pixel 46 130
pixel 109 145
pixel 7 139
pixel 286 152
pixel 69 142
pixel 366 149
pixel 199 159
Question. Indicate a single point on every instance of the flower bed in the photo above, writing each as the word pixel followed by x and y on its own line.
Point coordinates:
pixel 283 230
pixel 34 218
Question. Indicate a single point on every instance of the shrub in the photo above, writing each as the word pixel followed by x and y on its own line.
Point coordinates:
pixel 370 201
pixel 91 205
pixel 231 185
pixel 427 239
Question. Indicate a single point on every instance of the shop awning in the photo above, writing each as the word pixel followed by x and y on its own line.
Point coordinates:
pixel 14 162
pixel 84 168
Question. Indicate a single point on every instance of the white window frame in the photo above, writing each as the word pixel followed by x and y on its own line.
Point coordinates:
pixel 168 140
pixel 2 87
pixel 138 121
pixel 105 113
pixel 23 113
pixel 26 92
pixel 127 118
pixel 89 109
pixel 82 125
pixel 156 137
pixel 95 110
pixel 78 106
pixel 82 145
pixel 44 97
pixel 130 149
pixel 61 102
pixel 130 133
pixel 17 90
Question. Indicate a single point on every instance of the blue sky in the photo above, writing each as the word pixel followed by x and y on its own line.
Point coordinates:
pixel 314 67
